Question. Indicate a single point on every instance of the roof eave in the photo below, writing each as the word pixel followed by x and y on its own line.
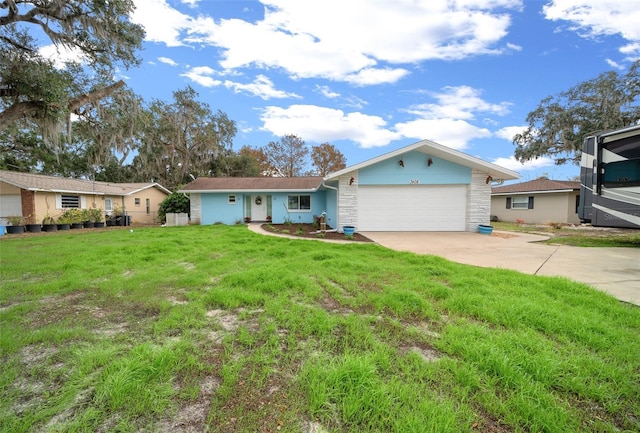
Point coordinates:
pixel 239 190
pixel 549 191
pixel 438 150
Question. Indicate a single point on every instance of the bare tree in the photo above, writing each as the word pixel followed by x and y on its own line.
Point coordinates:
pixel 327 159
pixel 288 156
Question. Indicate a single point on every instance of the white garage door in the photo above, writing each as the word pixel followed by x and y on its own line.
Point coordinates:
pixel 10 205
pixel 412 208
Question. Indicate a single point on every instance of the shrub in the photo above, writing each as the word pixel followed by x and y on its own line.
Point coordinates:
pixel 174 203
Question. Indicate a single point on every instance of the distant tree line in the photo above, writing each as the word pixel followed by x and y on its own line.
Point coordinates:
pixel 119 139
pixel 74 120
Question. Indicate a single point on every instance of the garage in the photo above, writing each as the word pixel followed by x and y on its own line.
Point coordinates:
pixel 412 207
pixel 10 205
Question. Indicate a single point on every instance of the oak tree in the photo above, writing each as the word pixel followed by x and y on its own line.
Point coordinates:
pixel 32 87
pixel 558 126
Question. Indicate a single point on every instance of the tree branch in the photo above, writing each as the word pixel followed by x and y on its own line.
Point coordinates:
pixel 34 109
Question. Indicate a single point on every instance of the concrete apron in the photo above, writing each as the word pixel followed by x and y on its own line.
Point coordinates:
pixel 613 270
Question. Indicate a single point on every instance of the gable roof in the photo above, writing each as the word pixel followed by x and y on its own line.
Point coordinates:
pixel 254 184
pixel 39 182
pixel 539 185
pixel 431 148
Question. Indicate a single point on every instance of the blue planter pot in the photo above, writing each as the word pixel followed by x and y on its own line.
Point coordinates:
pixel 349 230
pixel 484 229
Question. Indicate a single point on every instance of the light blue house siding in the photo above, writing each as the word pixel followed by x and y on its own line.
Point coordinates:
pixel 218 208
pixel 416 170
pixel 280 213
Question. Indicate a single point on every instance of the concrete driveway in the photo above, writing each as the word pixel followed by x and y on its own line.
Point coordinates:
pixel 613 270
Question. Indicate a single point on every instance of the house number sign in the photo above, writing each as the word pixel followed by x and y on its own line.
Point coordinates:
pixel 414 182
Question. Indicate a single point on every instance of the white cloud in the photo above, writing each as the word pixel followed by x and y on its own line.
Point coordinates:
pixel 454 133
pixel 370 76
pixel 167 61
pixel 461 102
pixel 262 86
pixel 513 164
pixel 161 22
pixel 327 92
pixel 508 132
pixel 448 121
pixel 592 18
pixel 320 124
pixel 632 51
pixel 61 55
pixel 354 41
pixel 202 76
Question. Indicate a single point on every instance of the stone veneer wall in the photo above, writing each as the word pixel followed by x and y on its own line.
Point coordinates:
pixel 348 201
pixel 478 201
pixel 195 201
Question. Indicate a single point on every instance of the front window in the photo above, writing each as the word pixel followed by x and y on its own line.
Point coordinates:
pixel 520 202
pixel 70 201
pixel 231 199
pixel 299 202
pixel 108 205
pixel 137 202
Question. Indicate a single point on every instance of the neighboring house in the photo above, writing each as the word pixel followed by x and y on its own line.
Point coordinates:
pixel 421 187
pixel 539 201
pixel 36 196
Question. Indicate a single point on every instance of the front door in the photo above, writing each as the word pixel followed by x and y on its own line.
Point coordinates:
pixel 259 207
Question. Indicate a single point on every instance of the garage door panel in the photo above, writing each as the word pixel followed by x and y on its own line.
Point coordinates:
pixel 10 205
pixel 412 208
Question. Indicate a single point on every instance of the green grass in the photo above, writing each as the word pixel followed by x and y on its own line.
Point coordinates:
pixel 220 329
pixel 582 237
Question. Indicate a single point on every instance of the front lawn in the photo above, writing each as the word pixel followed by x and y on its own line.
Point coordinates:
pixel 216 328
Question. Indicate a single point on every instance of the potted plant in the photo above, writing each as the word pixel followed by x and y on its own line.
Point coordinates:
pixel 31 225
pixel 74 217
pixel 95 215
pixel 49 224
pixel 16 224
pixel 64 221
pixel 87 223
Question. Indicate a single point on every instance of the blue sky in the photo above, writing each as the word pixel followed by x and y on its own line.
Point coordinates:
pixel 371 76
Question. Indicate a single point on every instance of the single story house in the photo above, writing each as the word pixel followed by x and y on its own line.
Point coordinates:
pixel 539 201
pixel 36 196
pixel 421 187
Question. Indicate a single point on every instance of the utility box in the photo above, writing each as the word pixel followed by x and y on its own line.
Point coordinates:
pixel 177 219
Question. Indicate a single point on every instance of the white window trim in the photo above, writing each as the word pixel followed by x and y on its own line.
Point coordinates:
pixel 232 199
pixel 520 202
pixel 82 201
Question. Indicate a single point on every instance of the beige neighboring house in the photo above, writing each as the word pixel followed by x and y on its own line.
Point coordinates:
pixel 36 196
pixel 539 201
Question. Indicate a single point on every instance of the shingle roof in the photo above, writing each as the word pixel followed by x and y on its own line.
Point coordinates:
pixel 220 184
pixel 39 182
pixel 538 185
